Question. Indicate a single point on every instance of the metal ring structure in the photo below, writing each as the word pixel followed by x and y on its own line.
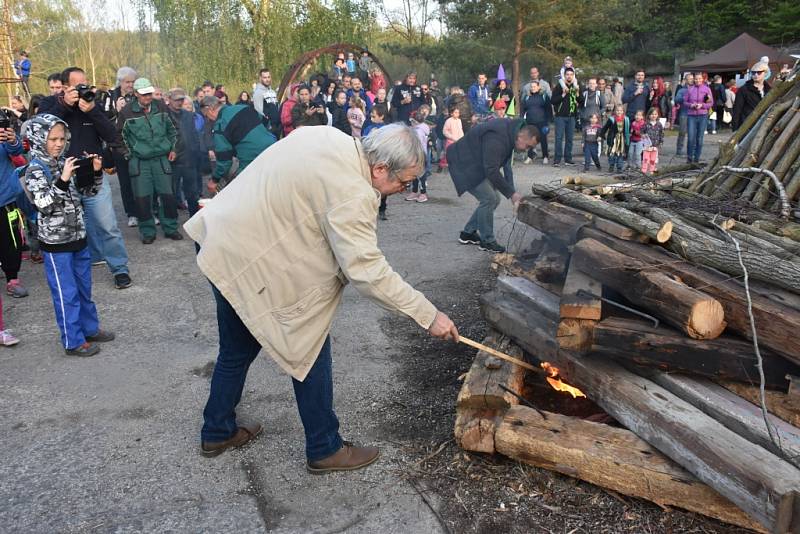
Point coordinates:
pixel 309 57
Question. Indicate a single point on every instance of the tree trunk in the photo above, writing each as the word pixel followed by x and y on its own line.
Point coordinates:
pixel 481 388
pixel 519 32
pixel 666 349
pixel 689 310
pixel 773 319
pixel 609 457
pixel 657 232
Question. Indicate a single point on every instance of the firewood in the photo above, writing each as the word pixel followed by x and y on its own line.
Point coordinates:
pixel 475 429
pixel 618 230
pixel 789 230
pixel 554 220
pixel 508 315
pixel 576 335
pixel 759 483
pixel 735 413
pixel 530 294
pixel 663 348
pixel 721 255
pixel 779 404
pixel 613 458
pixel 693 312
pixel 481 387
pixel 580 298
pixel 658 232
pixel 773 319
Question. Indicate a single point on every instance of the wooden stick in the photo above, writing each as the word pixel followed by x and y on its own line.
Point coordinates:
pixel 497 353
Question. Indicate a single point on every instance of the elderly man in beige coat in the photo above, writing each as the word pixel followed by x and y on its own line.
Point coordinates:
pixel 279 244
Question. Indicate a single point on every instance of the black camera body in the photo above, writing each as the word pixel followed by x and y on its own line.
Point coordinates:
pixel 85 92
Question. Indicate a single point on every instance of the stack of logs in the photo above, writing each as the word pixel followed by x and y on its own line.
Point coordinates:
pixel 761 162
pixel 645 310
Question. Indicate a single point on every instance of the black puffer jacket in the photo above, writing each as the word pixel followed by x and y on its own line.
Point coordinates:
pixel 747 98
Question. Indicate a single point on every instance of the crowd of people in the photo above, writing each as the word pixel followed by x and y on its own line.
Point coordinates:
pixel 349 139
pixel 169 149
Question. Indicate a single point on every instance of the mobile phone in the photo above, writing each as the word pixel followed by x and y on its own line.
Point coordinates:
pixel 84 172
pixel 5 122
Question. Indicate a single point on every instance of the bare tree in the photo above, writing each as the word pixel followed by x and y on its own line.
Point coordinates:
pixel 411 19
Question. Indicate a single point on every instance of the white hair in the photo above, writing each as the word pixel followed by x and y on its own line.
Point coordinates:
pixel 126 72
pixel 396 146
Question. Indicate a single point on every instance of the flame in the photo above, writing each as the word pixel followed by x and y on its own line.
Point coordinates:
pixel 557 384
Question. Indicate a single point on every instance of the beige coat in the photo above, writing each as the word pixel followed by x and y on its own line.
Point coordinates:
pixel 282 240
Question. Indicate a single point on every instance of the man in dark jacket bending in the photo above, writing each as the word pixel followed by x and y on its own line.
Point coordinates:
pixel 475 163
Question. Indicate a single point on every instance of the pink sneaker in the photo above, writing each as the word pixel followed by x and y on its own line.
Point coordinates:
pixel 15 289
pixel 412 196
pixel 422 197
pixel 7 339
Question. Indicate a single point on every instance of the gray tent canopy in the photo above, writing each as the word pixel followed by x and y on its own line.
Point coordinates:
pixel 738 56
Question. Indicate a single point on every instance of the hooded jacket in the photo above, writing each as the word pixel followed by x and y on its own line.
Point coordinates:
pixel 481 153
pixel 537 109
pixel 563 104
pixel 238 131
pixel 61 225
pixel 9 184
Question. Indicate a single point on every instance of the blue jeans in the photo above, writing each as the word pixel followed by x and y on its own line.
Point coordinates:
pixel 69 275
pixel 482 219
pixel 697 129
pixel 615 162
pixel 102 232
pixel 591 153
pixel 683 127
pixel 237 350
pixel 565 127
pixel 635 154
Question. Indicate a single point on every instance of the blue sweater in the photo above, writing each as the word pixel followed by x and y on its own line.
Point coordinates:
pixel 9 183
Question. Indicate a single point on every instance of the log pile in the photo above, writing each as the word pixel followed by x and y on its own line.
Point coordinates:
pixel 760 164
pixel 653 309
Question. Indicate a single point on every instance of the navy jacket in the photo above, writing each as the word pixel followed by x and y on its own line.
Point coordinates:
pixel 537 109
pixel 481 153
pixel 636 102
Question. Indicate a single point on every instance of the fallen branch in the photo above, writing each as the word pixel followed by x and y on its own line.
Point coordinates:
pixel 785 207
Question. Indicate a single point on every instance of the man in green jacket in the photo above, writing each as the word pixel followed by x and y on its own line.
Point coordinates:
pixel 150 138
pixel 238 131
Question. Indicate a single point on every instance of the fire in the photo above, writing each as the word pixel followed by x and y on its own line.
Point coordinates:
pixel 559 385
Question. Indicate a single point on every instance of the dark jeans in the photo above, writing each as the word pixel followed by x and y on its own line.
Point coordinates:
pixel 237 350
pixel 565 131
pixel 591 153
pixel 125 186
pixel 187 178
pixel 542 142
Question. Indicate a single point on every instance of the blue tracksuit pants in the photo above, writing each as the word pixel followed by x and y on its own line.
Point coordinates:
pixel 69 275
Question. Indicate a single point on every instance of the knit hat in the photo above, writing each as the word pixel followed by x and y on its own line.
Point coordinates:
pixel 143 86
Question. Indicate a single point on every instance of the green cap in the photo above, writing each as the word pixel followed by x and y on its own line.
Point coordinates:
pixel 143 86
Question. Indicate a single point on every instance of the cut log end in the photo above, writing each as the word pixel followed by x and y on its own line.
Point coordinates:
pixel 707 320
pixel 665 232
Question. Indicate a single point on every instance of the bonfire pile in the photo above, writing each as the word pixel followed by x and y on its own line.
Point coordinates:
pixel 678 315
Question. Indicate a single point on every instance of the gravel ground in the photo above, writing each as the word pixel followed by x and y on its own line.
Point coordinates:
pixel 110 444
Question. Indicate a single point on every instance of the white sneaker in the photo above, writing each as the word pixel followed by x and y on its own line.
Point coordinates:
pixel 545 161
pixel 7 339
pixel 133 221
pixel 157 221
pixel 713 132
pixel 527 161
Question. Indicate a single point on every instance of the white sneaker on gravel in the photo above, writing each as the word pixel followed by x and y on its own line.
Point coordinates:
pixel 7 339
pixel 133 221
pixel 157 220
pixel 527 161
pixel 545 161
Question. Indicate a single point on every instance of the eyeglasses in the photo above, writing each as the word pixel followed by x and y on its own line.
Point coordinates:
pixel 754 72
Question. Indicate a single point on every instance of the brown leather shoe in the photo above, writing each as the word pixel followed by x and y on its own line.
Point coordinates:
pixel 348 458
pixel 244 434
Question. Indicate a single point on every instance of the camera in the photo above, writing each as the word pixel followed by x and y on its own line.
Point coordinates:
pixel 85 92
pixel 84 172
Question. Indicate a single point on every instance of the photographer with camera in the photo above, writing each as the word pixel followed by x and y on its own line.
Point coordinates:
pixel 90 129
pixel 121 96
pixel 56 185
